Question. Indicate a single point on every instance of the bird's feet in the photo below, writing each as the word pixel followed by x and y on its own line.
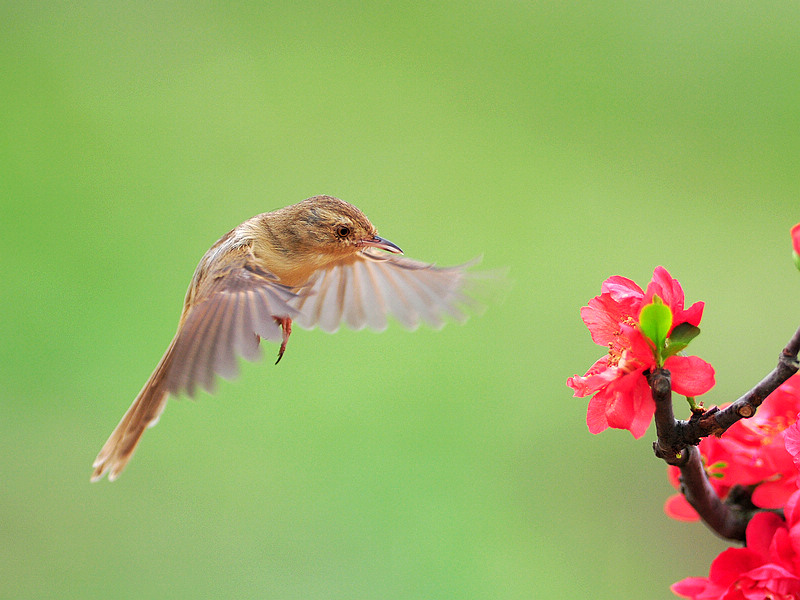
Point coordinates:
pixel 286 325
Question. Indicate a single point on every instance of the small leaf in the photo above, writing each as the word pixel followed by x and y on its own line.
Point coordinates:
pixel 680 338
pixel 654 322
pixel 684 333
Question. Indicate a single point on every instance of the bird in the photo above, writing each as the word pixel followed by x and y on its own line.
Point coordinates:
pixel 319 262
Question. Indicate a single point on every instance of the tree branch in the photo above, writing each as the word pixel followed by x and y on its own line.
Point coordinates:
pixel 715 421
pixel 677 441
pixel 668 445
pixel 728 520
pixel 745 407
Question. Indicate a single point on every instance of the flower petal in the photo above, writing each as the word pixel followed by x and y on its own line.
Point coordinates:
pixel 769 581
pixel 597 377
pixel 792 510
pixel 691 376
pixel 691 587
pixel 774 494
pixel 629 404
pixel 792 442
pixel 671 292
pixel 596 414
pixel 691 315
pixel 679 509
pixel 666 288
pixel 621 287
pixel 732 563
pixel 644 408
pixel 760 531
pixel 604 314
pixel 625 403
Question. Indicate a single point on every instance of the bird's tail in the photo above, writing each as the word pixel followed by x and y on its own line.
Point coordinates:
pixel 143 413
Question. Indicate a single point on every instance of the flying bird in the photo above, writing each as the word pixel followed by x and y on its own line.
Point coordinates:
pixel 316 263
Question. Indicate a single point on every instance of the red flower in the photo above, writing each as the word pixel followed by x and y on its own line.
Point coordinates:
pixel 753 452
pixel 767 436
pixel 791 438
pixel 796 238
pixel 792 442
pixel 769 567
pixel 622 397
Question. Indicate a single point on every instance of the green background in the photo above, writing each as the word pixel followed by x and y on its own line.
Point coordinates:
pixel 567 141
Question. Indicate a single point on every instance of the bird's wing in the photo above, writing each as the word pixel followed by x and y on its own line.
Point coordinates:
pixel 237 307
pixel 363 290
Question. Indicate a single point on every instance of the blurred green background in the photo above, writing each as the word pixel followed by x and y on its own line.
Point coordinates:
pixel 568 141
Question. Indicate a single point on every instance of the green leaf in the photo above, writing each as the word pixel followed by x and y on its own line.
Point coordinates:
pixel 684 333
pixel 680 338
pixel 654 322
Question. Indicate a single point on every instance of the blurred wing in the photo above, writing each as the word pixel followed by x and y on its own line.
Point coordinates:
pixel 364 290
pixel 238 308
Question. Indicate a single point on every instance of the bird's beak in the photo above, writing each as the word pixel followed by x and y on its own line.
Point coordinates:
pixel 379 242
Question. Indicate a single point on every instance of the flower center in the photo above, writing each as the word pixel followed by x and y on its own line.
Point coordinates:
pixel 620 344
pixel 768 429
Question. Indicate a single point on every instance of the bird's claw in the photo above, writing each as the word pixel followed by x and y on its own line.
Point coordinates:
pixel 286 326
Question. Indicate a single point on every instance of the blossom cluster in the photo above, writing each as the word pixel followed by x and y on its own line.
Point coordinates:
pixel 644 330
pixel 751 454
pixel 622 397
pixel 768 567
pixel 762 453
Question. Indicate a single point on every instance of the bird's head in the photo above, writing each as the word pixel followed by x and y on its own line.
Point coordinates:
pixel 332 227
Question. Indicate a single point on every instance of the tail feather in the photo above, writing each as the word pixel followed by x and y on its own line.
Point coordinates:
pixel 143 413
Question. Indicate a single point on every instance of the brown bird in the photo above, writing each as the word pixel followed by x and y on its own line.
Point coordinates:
pixel 318 262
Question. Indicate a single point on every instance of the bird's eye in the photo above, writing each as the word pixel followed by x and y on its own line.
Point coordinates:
pixel 342 231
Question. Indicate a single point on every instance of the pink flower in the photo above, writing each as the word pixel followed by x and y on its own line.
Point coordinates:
pixel 753 452
pixel 622 397
pixel 769 567
pixel 796 238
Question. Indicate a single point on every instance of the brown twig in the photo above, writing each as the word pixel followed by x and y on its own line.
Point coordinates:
pixel 745 407
pixel 677 441
pixel 727 519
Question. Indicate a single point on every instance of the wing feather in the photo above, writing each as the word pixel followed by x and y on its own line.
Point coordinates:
pixel 353 306
pixel 395 293
pixel 234 311
pixel 331 298
pixel 265 307
pixel 372 297
pixel 191 342
pixel 221 352
pixel 363 291
pixel 246 340
pixel 199 355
